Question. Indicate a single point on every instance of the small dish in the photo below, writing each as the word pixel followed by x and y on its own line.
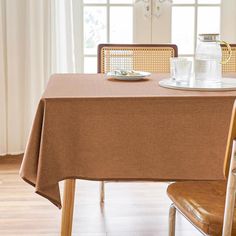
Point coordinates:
pixel 127 75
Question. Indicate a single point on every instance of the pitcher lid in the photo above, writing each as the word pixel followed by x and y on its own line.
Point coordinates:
pixel 209 37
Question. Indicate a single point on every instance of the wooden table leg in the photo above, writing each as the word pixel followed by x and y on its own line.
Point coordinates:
pixel 102 193
pixel 68 207
pixel 172 214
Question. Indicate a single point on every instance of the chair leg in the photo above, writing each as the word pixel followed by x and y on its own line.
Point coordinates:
pixel 172 214
pixel 230 197
pixel 102 192
pixel 68 207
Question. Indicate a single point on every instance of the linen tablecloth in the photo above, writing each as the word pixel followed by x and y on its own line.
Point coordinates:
pixel 90 127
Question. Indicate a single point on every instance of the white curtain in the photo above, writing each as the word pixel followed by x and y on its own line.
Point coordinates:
pixel 37 38
pixel 66 37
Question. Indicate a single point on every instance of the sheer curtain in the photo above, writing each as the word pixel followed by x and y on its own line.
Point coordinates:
pixel 37 38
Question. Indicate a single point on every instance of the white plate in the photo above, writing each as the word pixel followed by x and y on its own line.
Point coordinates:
pixel 226 84
pixel 137 76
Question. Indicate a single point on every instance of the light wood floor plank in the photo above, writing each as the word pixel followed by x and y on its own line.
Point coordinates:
pixel 131 209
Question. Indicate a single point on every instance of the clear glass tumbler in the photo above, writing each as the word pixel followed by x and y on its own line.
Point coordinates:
pixel 172 65
pixel 182 70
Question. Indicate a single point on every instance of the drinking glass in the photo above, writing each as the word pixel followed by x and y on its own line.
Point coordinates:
pixel 182 70
pixel 172 65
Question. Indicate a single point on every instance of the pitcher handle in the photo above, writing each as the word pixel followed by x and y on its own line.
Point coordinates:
pixel 229 52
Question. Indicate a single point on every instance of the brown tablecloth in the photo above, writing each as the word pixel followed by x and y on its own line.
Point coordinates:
pixel 93 128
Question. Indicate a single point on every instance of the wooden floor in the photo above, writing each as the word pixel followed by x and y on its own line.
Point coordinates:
pixel 131 209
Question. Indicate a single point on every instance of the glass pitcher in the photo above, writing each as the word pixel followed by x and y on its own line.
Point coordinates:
pixel 208 58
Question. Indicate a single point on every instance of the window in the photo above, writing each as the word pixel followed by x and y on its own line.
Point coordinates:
pixel 193 17
pixel 102 23
pixel 128 21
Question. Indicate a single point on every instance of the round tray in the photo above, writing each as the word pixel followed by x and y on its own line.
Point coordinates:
pixel 226 84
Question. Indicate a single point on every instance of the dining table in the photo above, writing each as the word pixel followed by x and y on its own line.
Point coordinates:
pixel 92 127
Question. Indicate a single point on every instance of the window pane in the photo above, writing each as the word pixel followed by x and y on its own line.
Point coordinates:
pixel 208 24
pixel 121 1
pixel 209 1
pixel 121 28
pixel 183 29
pixel 183 1
pixel 95 1
pixel 90 65
pixel 95 28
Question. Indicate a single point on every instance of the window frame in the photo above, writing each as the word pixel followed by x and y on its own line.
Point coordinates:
pixel 196 6
pixel 108 6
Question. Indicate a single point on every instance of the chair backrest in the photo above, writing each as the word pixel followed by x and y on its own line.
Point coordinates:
pixel 229 67
pixel 230 173
pixel 140 57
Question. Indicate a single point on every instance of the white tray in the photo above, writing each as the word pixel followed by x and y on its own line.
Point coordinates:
pixel 227 84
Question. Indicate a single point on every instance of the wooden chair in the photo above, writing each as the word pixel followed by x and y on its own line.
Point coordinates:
pixel 229 67
pixel 209 205
pixel 141 57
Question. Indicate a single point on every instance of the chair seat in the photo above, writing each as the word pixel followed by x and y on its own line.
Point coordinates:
pixel 202 202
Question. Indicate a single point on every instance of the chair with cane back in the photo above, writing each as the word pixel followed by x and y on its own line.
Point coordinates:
pixel 153 58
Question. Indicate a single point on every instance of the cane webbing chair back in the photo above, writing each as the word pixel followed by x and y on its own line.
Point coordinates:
pixel 230 66
pixel 141 57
